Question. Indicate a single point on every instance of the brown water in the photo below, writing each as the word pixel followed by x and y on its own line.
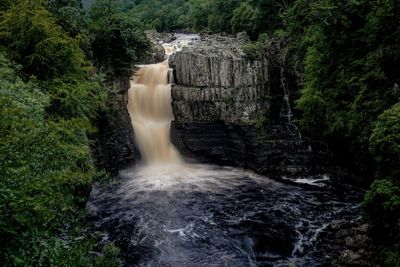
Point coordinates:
pixel 149 106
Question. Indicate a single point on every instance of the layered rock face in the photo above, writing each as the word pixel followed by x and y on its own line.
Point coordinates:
pixel 114 146
pixel 214 81
pixel 228 110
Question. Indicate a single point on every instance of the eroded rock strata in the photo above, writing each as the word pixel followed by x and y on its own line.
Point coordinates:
pixel 228 109
pixel 114 143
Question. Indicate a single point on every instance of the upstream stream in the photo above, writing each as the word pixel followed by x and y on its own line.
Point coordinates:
pixel 166 212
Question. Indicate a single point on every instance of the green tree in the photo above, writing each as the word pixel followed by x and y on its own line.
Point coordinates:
pixel 382 205
pixel 70 15
pixel 47 102
pixel 119 39
pixel 4 5
pixel 30 32
pixel 198 13
pixel 245 18
pixel 45 168
pixel 221 13
pixel 347 53
pixel 385 142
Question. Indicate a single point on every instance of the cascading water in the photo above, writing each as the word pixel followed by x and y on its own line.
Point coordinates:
pixel 286 110
pixel 171 213
pixel 149 107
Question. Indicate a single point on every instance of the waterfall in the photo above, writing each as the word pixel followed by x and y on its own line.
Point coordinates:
pixel 286 110
pixel 149 106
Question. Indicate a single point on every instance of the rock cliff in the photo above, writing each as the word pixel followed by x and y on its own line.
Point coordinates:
pixel 114 146
pixel 228 109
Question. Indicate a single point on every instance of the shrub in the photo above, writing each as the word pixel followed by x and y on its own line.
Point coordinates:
pixel 109 257
pixel 385 142
pixel 391 256
pixel 382 205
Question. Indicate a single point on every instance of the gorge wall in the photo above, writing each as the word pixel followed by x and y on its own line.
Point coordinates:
pixel 228 109
pixel 114 143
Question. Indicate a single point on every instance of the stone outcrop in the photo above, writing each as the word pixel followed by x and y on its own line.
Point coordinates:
pixel 218 66
pixel 114 146
pixel 215 81
pixel 157 53
pixel 228 104
pixel 228 109
pixel 160 37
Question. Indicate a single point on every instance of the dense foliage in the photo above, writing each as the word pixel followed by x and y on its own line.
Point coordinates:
pixel 45 166
pixel 119 40
pixel 384 143
pixel 229 16
pixel 382 202
pixel 348 57
pixel 349 54
pixel 50 93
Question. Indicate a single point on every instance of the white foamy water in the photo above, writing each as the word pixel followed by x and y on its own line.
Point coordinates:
pixel 185 177
pixel 181 41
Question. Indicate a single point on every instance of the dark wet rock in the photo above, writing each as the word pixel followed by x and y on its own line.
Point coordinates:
pixel 157 53
pixel 270 151
pixel 114 146
pixel 348 243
